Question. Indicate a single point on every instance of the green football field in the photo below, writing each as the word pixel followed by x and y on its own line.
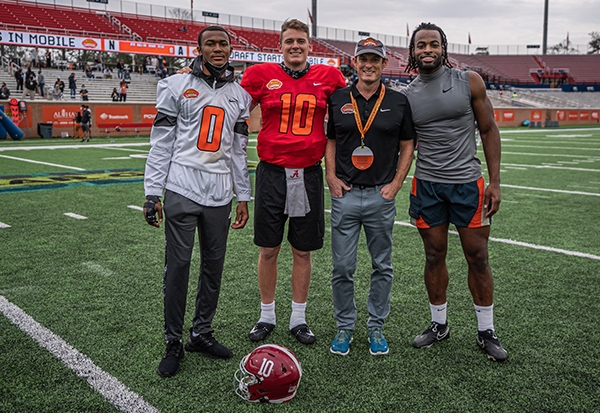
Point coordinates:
pixel 81 301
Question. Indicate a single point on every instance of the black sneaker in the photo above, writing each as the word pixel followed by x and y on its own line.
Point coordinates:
pixel 303 334
pixel 206 343
pixel 260 331
pixel 489 342
pixel 435 332
pixel 169 365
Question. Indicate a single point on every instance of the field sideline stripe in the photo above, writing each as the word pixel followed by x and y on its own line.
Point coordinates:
pixel 42 163
pixel 560 191
pixel 112 389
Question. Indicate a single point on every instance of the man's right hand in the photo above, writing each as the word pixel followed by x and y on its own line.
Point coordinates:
pixel 336 186
pixel 152 206
pixel 186 70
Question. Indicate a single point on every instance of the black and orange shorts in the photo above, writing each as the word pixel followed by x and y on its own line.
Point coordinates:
pixel 433 204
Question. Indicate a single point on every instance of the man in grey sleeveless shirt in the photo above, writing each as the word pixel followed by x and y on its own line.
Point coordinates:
pixel 448 185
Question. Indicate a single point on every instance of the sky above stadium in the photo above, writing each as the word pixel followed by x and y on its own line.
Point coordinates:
pixel 490 22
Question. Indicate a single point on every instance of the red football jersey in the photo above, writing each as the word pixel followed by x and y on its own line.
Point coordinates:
pixel 293 112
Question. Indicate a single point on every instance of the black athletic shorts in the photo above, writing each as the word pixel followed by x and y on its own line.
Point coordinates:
pixel 304 233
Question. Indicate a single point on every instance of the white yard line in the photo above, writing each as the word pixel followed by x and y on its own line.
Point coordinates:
pixel 76 216
pixel 80 146
pixel 112 389
pixel 3 225
pixel 74 168
pixel 558 191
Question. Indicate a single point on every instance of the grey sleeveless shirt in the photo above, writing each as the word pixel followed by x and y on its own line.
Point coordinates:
pixel 445 126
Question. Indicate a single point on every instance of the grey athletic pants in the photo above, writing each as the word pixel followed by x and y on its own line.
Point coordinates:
pixel 182 217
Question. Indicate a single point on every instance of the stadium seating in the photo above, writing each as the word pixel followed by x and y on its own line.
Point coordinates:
pixel 508 69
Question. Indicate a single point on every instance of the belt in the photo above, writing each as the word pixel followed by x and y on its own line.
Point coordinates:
pixel 363 187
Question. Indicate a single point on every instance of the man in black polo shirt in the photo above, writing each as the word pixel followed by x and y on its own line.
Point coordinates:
pixel 368 154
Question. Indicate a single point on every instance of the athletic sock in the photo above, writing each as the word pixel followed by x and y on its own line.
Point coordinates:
pixel 297 317
pixel 267 313
pixel 485 317
pixel 438 313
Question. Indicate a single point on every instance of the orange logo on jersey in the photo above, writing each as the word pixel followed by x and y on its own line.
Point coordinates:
pixel 274 84
pixel 191 94
pixel 331 62
pixel 347 109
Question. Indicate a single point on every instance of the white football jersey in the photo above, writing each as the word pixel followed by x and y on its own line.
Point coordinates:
pixel 200 156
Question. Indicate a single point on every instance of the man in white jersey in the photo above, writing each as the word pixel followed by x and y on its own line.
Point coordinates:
pixel 198 157
pixel 448 186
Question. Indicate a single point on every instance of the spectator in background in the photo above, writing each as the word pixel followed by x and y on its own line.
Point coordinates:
pixel 107 73
pixel 114 95
pixel 30 87
pixel 48 59
pixel 4 91
pixel 120 66
pixel 127 76
pixel 77 132
pixel 56 93
pixel 86 122
pixel 19 79
pixel 72 85
pixel 123 92
pixel 41 82
pixel 88 72
pixel 60 84
pixel 84 93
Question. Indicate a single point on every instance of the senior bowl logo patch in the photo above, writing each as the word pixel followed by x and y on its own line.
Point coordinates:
pixel 347 109
pixel 369 42
pixel 191 94
pixel 274 84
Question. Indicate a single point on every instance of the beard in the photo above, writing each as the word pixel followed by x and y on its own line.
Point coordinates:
pixel 429 67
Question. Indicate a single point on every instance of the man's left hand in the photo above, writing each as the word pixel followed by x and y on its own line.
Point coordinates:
pixel 241 215
pixel 492 199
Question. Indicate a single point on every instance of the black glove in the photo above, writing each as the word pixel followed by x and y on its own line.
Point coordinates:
pixel 149 208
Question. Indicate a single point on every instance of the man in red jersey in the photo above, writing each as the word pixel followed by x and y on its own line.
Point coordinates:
pixel 289 178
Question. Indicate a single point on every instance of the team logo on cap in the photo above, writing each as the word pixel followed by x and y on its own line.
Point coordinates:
pixel 191 94
pixel 369 42
pixel 347 109
pixel 274 84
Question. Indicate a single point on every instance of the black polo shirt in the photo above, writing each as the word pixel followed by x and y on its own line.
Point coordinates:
pixel 392 124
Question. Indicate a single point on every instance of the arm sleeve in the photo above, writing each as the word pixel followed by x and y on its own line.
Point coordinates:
pixel 162 141
pixel 239 162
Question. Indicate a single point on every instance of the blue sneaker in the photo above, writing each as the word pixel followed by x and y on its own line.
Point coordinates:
pixel 341 342
pixel 377 344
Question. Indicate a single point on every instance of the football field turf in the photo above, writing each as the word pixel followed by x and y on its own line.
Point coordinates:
pixel 81 302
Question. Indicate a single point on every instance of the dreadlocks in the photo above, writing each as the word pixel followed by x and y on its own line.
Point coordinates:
pixel 412 62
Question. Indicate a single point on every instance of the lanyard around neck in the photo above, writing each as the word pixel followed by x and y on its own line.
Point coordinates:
pixel 359 125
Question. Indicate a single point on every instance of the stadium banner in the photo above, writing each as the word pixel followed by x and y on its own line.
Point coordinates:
pixel 261 57
pixel 111 115
pixel 125 46
pixel 148 114
pixel 49 40
pixel 536 115
pixel 60 115
pixel 508 115
pixel 595 115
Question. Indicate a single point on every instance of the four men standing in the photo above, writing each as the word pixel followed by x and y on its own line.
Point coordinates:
pixel 372 133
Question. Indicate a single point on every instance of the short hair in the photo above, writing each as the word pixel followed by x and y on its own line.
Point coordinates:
pixel 294 24
pixel 212 29
pixel 412 62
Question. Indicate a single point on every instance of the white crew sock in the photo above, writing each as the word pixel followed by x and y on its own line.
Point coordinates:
pixel 485 317
pixel 267 313
pixel 297 317
pixel 438 313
